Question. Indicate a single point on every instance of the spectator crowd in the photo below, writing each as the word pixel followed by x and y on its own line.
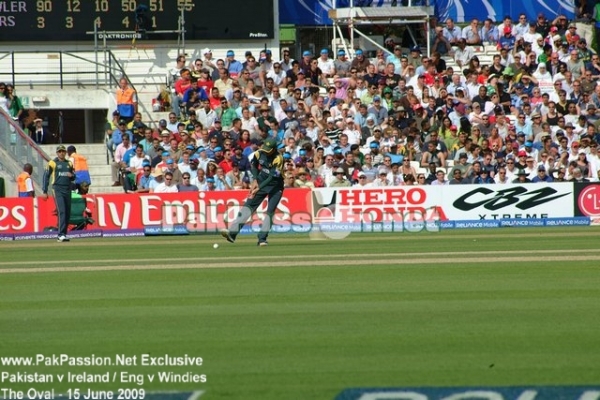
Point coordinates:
pixel 529 115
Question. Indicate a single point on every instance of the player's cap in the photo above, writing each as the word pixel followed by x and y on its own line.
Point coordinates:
pixel 269 144
pixel 60 148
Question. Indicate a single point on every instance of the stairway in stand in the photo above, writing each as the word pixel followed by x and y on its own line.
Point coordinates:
pixel 99 169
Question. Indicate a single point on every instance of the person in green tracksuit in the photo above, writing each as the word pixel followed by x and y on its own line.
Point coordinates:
pixel 267 167
pixel 60 174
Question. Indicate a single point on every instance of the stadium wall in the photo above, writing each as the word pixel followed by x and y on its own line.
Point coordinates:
pixel 327 209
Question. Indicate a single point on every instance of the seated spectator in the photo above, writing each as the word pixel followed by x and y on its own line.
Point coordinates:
pixel 457 178
pixel 185 185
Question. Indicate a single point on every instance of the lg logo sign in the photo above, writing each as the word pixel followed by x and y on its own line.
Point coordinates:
pixel 589 201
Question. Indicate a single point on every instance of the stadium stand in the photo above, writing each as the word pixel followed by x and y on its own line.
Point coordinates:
pixel 330 106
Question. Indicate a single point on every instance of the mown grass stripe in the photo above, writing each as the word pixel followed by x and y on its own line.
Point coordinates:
pixel 283 264
pixel 359 256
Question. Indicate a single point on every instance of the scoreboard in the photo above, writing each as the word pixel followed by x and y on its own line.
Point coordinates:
pixel 69 20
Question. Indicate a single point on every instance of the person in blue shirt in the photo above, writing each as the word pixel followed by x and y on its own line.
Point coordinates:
pixel 117 137
pixel 233 66
pixel 541 175
pixel 194 88
pixel 254 145
pixel 483 178
pixel 146 179
pixel 395 58
pixel 276 132
pixel 128 154
pixel 507 40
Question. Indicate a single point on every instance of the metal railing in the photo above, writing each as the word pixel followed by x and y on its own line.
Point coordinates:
pixel 60 68
pixel 17 149
pixel 65 69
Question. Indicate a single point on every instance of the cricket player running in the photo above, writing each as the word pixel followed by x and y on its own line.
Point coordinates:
pixel 267 169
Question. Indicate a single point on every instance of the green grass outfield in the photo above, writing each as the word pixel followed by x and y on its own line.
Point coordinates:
pixel 304 319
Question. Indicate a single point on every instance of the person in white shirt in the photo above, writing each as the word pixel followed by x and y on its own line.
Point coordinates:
pixel 532 36
pixel 362 181
pixel 200 179
pixel 440 179
pixel 326 170
pixel 326 64
pixel 351 132
pixel 175 73
pixel 278 75
pixel 463 53
pixel 205 115
pixel 135 162
pixel 312 130
pixel 502 178
pixel 172 123
pixel 249 123
pixel 382 179
pixel 167 186
pixel 157 174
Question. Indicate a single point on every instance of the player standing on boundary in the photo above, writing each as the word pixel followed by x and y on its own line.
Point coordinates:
pixel 267 169
pixel 60 174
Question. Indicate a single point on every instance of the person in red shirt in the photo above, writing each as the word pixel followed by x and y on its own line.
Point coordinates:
pixel 215 98
pixel 205 82
pixel 227 163
pixel 430 75
pixel 181 86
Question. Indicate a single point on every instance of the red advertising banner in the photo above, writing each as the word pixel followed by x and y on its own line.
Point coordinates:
pixel 199 211
pixel 17 214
